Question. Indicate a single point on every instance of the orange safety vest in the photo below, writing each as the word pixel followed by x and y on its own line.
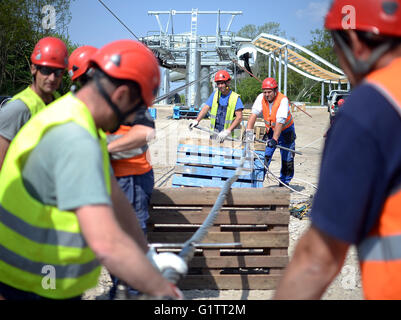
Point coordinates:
pixel 380 252
pixel 270 117
pixel 136 165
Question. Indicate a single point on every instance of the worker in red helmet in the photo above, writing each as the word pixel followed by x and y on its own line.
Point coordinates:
pixel 78 65
pixel 49 60
pixel 275 108
pixel 62 208
pixel 225 108
pixel 128 148
pixel 130 160
pixel 359 195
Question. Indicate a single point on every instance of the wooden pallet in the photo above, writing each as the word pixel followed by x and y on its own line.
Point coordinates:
pixel 257 218
pixel 211 166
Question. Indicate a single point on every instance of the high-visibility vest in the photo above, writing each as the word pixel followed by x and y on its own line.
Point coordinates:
pixel 132 162
pixel 230 114
pixel 270 116
pixel 380 252
pixel 32 100
pixel 40 243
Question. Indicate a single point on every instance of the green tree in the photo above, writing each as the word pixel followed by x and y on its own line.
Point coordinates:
pixel 249 87
pixel 251 31
pixel 322 45
pixel 21 27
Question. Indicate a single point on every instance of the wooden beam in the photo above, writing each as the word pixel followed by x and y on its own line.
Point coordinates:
pixel 233 216
pixel 239 262
pixel 256 239
pixel 230 282
pixel 206 196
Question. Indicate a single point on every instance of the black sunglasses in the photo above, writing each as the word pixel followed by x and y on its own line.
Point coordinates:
pixel 47 71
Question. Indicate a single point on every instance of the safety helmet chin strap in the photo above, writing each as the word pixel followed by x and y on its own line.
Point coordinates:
pixel 120 115
pixel 361 67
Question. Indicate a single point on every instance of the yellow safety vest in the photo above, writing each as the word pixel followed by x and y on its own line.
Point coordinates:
pixel 32 100
pixel 38 240
pixel 230 115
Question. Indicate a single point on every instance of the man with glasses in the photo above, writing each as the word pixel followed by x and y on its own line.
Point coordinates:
pixel 49 60
pixel 226 109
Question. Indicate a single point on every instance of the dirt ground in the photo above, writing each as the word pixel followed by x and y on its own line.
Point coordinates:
pixel 310 141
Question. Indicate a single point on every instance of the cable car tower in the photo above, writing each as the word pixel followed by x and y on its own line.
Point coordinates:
pixel 191 56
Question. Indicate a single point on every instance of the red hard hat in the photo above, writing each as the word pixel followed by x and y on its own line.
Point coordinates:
pixel 222 75
pixel 340 102
pixel 381 17
pixel 78 62
pixel 51 52
pixel 269 83
pixel 133 61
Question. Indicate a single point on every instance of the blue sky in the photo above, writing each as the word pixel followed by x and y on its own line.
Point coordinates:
pixel 92 24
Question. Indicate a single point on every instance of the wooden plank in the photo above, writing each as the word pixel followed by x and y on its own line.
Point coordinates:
pixel 210 150
pixel 224 217
pixel 214 182
pixel 211 142
pixel 257 239
pixel 208 196
pixel 211 161
pixel 278 251
pixel 230 282
pixel 239 262
pixel 256 174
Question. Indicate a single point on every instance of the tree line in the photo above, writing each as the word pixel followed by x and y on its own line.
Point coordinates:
pixel 22 24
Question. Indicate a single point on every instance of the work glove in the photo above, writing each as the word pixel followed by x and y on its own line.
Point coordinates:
pixel 249 136
pixel 271 143
pixel 223 135
pixel 165 260
pixel 193 124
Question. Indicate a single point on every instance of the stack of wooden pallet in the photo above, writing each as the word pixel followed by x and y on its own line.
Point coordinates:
pixel 256 218
pixel 205 163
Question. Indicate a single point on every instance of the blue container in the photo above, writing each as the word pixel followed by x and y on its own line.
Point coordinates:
pixel 152 112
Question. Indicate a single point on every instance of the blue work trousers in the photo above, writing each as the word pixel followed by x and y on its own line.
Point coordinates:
pixel 138 189
pixel 286 139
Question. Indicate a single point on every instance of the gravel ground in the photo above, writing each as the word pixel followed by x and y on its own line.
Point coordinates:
pixel 346 286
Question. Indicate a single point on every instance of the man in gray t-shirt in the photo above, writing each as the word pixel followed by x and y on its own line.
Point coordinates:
pixel 49 60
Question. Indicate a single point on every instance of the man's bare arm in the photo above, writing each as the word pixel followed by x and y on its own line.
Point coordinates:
pixel 4 144
pixel 136 137
pixel 126 216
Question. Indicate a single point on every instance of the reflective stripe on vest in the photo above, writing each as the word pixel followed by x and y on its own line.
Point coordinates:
pixel 41 235
pixel 131 162
pixel 380 251
pixel 230 114
pixel 380 248
pixel 61 271
pixel 269 117
pixel 34 235
pixel 33 102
